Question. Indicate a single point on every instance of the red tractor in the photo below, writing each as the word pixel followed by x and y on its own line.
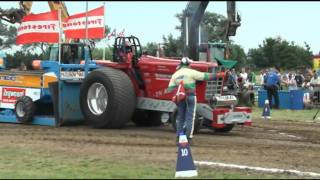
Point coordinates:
pixel 133 86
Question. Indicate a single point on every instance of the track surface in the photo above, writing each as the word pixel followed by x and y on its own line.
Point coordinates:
pixel 269 144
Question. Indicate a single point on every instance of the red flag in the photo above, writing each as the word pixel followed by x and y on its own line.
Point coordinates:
pixel 43 27
pixel 74 26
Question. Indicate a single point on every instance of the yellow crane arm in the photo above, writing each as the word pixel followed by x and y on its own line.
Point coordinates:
pixel 15 15
pixel 55 5
pixel 26 6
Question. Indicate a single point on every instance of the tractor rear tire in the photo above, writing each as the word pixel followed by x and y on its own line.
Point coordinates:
pixel 197 122
pixel 147 118
pixel 226 129
pixel 24 109
pixel 107 98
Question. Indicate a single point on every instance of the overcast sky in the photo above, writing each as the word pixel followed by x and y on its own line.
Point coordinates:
pixel 149 21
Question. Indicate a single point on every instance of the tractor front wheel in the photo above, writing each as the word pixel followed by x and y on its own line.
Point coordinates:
pixel 24 109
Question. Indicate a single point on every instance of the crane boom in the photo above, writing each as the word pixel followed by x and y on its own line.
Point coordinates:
pixel 191 20
pixel 233 21
pixel 192 17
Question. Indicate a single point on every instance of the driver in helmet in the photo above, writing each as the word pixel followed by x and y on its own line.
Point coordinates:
pixel 127 55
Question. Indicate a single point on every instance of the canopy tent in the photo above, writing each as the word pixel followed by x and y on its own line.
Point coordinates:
pixel 227 63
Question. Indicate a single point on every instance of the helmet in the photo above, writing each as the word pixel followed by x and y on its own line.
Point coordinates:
pixel 185 61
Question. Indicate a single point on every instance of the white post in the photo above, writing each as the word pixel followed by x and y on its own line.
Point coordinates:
pixel 87 21
pixel 104 30
pixel 158 51
pixel 199 34
pixel 59 44
pixel 104 52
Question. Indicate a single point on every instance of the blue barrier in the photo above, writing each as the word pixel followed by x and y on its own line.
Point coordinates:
pixel 296 97
pixel 287 99
pixel 284 100
pixel 262 96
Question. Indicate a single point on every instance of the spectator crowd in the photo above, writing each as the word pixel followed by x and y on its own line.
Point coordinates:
pixel 272 80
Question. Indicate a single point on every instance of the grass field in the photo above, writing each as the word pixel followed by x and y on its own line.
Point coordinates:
pixel 288 115
pixel 24 162
pixel 27 161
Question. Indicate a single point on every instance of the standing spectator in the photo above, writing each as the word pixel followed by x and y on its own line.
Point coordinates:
pixel 308 74
pixel 279 75
pixel 261 79
pixel 299 79
pixel 292 84
pixel 265 79
pixel 306 85
pixel 252 77
pixel 272 84
pixel 232 80
pixel 315 84
pixel 243 75
pixel 307 88
pixel 284 81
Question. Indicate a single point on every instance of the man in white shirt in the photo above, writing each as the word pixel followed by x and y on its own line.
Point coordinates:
pixel 292 84
pixel 244 75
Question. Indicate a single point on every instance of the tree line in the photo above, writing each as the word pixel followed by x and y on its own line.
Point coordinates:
pixel 273 51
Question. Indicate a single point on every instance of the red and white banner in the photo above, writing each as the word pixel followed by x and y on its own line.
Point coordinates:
pixel 10 95
pixel 75 26
pixel 43 27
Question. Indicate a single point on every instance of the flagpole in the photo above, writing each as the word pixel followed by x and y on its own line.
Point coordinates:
pixel 87 21
pixel 104 30
pixel 59 45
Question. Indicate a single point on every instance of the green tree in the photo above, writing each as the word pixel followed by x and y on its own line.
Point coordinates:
pixel 15 60
pixel 280 53
pixel 151 48
pixel 8 33
pixel 214 24
pixel 172 46
pixel 97 53
pixel 256 57
pixel 237 53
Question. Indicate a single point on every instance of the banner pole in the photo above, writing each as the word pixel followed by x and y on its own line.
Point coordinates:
pixel 59 44
pixel 87 21
pixel 104 30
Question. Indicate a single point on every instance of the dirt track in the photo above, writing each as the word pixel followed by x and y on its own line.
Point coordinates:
pixel 270 144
